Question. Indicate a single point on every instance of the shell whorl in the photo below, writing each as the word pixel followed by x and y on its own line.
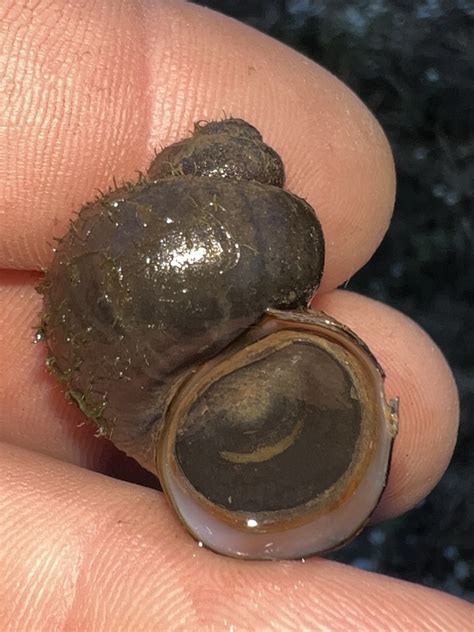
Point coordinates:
pixel 155 277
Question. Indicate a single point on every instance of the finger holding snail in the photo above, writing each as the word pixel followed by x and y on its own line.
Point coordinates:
pixel 411 360
pixel 336 154
pixel 119 550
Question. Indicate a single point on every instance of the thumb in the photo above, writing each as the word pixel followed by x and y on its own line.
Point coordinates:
pixel 81 551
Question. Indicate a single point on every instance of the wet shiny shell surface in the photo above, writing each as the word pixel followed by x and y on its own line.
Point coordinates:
pixel 156 276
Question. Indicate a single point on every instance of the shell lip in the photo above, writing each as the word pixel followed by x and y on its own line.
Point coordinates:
pixel 325 321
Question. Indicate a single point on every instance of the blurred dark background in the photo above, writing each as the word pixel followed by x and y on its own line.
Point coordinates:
pixel 412 63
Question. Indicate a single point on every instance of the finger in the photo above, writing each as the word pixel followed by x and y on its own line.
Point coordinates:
pixel 84 552
pixel 91 92
pixel 416 372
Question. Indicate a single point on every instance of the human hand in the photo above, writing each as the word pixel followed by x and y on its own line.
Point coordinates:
pixel 90 90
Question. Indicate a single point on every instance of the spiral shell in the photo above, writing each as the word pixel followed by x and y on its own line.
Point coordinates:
pixel 157 312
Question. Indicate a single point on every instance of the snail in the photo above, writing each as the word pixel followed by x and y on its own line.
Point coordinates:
pixel 176 315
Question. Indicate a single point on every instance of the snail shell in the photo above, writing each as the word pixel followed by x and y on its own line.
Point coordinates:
pixel 175 314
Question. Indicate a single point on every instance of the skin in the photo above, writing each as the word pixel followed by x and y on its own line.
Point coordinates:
pixel 90 91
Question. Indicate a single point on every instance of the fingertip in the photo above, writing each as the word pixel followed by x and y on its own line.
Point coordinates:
pixel 417 373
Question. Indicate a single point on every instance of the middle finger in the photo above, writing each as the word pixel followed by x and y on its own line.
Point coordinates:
pixel 40 419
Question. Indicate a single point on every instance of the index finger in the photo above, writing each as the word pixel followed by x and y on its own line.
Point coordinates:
pixel 91 92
